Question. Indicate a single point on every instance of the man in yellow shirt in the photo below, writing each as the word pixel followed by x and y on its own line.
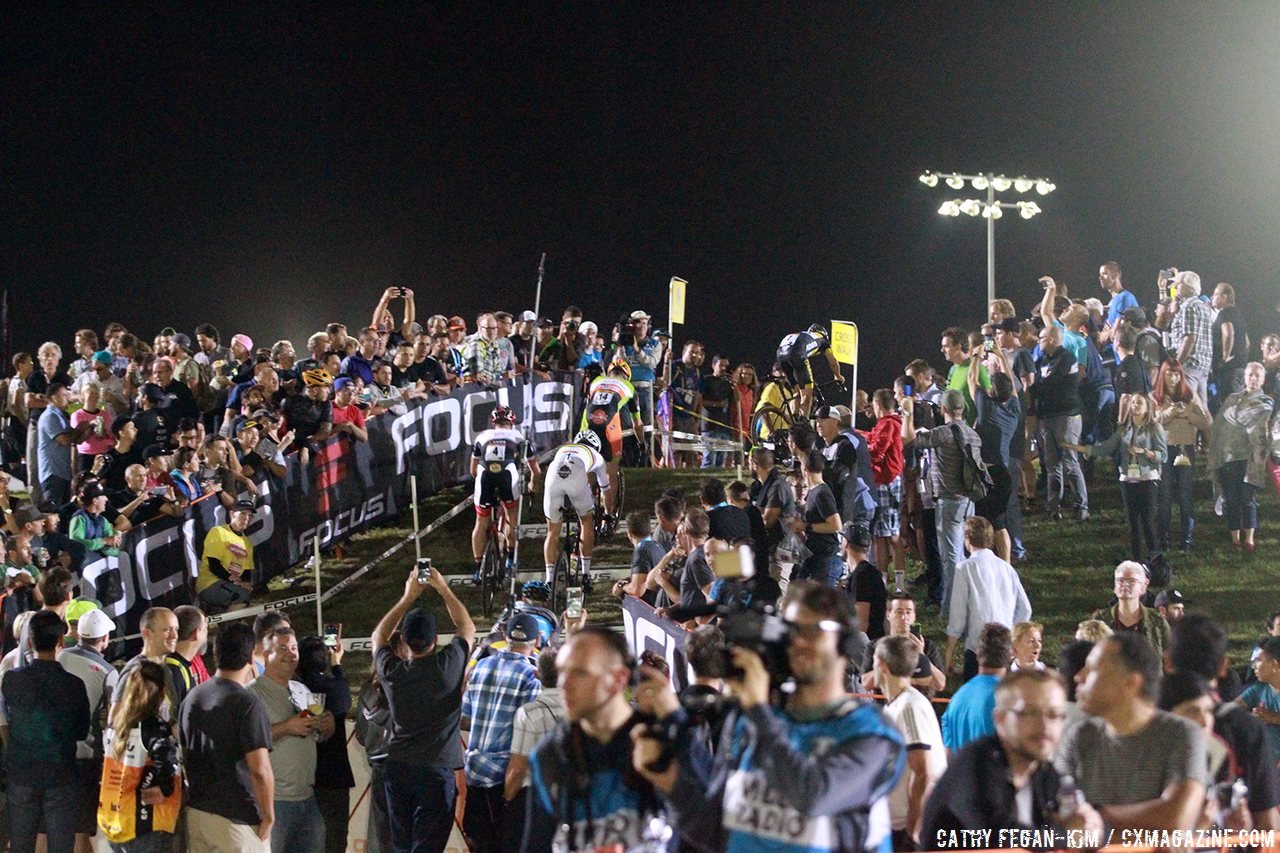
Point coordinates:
pixel 227 565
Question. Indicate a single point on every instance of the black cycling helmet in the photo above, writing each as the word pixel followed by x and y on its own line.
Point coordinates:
pixel 536 590
pixel 502 415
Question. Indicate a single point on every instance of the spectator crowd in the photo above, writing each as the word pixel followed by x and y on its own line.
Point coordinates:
pixel 812 715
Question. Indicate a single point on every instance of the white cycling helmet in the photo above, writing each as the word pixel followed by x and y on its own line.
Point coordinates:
pixel 589 438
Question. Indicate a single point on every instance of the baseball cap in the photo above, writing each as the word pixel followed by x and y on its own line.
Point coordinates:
pixel 341 382
pixel 244 505
pixel 1170 596
pixel 153 392
pixel 182 340
pixel 827 412
pixel 640 315
pixel 265 415
pixel 29 514
pixel 1134 316
pixel 456 322
pixel 528 317
pixel 419 628
pixel 153 451
pixel 856 533
pixel 522 628
pixel 243 340
pixel 845 414
pixel 544 323
pixel 102 357
pixel 91 491
pixel 93 624
pixel 588 328
pixel 120 423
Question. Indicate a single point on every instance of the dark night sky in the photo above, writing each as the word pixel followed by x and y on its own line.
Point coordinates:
pixel 274 172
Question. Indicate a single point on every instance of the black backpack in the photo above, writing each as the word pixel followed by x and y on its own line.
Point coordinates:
pixel 1159 570
pixel 974 476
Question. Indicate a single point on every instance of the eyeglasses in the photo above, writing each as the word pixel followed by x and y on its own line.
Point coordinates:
pixel 1127 581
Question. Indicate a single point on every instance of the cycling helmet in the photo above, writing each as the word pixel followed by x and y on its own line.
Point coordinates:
pixel 536 590
pixel 316 377
pixel 818 331
pixel 621 365
pixel 589 438
pixel 502 415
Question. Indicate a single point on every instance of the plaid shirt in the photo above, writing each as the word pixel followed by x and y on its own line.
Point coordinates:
pixel 1194 319
pixel 499 685
pixel 489 357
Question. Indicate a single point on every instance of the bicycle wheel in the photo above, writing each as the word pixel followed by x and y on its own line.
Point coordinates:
pixel 560 584
pixel 768 419
pixel 619 506
pixel 491 571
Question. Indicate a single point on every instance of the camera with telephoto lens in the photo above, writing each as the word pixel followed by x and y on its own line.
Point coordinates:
pixel 163 750
pixel 623 332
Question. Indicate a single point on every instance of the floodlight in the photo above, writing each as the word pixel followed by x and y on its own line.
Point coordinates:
pixel 1022 184
pixel 1044 187
pixel 992 211
pixel 980 182
pixel 1001 183
pixel 1028 209
pixel 929 179
pixel 955 182
pixel 949 208
pixel 970 207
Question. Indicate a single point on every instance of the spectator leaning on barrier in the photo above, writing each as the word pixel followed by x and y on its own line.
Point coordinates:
pixel 424 694
pixel 225 734
pixel 226 568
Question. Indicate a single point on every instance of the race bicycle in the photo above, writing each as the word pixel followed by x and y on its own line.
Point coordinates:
pixel 495 563
pixel 568 571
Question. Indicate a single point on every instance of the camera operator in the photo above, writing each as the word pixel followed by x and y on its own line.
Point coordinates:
pixel 811 772
pixel 642 351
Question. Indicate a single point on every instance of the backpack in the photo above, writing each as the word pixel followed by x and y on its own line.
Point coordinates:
pixel 1159 569
pixel 974 477
pixel 1150 350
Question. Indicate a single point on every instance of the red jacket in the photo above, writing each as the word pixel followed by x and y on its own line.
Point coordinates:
pixel 884 443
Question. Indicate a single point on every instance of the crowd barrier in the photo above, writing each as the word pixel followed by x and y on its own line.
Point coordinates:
pixel 346 487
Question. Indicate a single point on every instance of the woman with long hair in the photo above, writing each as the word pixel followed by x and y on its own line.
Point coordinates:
pixel 141 792
pixel 1138 449
pixel 744 389
pixel 186 474
pixel 1182 416
pixel 1238 454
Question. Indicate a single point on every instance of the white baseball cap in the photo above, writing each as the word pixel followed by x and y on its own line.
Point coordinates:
pixel 95 624
pixel 528 317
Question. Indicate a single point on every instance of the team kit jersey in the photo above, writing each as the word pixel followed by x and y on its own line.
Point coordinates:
pixel 607 399
pixel 567 478
pixel 497 453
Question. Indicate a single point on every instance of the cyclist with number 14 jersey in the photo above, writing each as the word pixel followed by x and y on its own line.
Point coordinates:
pixel 609 414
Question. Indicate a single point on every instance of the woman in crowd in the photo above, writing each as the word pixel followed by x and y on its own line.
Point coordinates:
pixel 1238 454
pixel 744 389
pixel 1181 415
pixel 141 792
pixel 101 438
pixel 320 670
pixel 373 730
pixel 1028 640
pixel 185 474
pixel 1138 449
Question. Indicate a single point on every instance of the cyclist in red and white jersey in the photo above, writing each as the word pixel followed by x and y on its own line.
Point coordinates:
pixel 569 476
pixel 495 464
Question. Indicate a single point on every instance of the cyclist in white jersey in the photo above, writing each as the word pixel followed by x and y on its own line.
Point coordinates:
pixel 495 465
pixel 569 476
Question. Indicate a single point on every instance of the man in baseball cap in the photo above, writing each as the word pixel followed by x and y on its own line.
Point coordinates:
pixel 499 685
pixel 1171 604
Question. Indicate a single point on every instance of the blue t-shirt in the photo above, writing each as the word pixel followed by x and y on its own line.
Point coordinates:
pixel 1260 693
pixel 53 459
pixel 1119 302
pixel 969 716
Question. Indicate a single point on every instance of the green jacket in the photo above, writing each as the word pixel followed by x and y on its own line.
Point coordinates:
pixel 1153 626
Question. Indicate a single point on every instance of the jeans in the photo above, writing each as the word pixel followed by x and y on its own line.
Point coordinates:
pixel 57 805
pixel 483 819
pixel 1063 465
pixel 1013 515
pixel 420 801
pixel 1239 499
pixel 56 489
pixel 715 458
pixel 1140 505
pixel 299 827
pixel 378 834
pixel 1176 482
pixel 823 570
pixel 951 513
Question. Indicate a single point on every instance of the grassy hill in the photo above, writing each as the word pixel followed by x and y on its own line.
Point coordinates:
pixel 1067 576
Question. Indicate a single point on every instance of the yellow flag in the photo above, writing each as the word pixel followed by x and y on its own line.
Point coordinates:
pixel 676 301
pixel 844 341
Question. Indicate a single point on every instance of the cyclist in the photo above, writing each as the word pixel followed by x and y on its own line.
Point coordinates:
pixel 535 599
pixel 807 360
pixel 610 412
pixel 569 477
pixel 496 461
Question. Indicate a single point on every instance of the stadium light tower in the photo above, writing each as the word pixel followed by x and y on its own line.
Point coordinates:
pixel 991 209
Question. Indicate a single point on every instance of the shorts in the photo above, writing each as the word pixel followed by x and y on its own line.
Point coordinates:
pixel 222 594
pixel 494 487
pixel 578 491
pixel 609 432
pixel 888 499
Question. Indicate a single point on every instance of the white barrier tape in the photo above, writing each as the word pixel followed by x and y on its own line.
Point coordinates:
pixel 246 612
pixel 602 573
pixel 368 567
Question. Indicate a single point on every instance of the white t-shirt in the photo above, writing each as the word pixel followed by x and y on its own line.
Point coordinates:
pixel 913 716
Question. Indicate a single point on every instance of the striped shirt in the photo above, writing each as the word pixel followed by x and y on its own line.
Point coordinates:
pixel 499 685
